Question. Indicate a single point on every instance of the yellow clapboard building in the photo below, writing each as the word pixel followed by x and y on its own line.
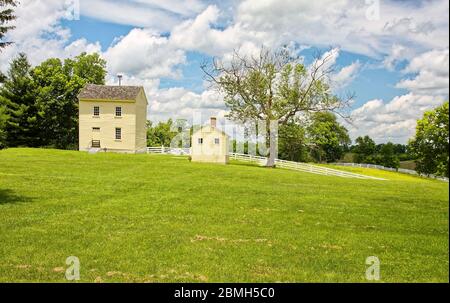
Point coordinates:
pixel 113 118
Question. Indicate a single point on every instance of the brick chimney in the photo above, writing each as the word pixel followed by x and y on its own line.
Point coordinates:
pixel 213 122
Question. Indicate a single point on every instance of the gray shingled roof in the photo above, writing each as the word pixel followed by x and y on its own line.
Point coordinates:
pixel 106 92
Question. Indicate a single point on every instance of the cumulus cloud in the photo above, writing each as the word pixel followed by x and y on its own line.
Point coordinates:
pixel 201 34
pixel 348 24
pixel 144 54
pixel 395 120
pixel 339 79
pixel 43 37
pixel 346 75
pixel 397 55
pixel 431 73
pixel 182 103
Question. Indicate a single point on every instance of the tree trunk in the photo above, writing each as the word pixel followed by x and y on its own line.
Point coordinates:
pixel 271 158
pixel 272 139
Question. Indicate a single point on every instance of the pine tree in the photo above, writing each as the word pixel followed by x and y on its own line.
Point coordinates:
pixel 6 16
pixel 17 96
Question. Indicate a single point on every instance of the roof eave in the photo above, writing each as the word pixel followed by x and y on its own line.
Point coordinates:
pixel 105 100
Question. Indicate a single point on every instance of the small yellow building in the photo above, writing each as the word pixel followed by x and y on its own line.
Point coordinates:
pixel 210 144
pixel 113 118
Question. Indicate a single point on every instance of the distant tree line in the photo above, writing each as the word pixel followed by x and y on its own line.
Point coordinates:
pixel 365 150
pixel 429 149
pixel 39 105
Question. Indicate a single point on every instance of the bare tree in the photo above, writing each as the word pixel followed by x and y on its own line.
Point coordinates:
pixel 274 86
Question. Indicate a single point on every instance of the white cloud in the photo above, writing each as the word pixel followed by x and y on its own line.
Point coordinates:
pixel 183 8
pixel 397 54
pixel 344 23
pixel 178 102
pixel 81 45
pixel 432 74
pixel 395 120
pixel 144 54
pixel 200 34
pixel 327 60
pixel 43 37
pixel 346 75
pixel 156 14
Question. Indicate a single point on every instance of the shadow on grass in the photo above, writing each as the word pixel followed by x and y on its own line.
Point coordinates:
pixel 7 196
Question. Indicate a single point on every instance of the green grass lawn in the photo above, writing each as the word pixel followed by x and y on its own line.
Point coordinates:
pixel 153 218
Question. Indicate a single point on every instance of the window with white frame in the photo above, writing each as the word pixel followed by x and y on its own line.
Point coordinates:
pixel 216 141
pixel 96 111
pixel 96 129
pixel 118 133
pixel 118 111
pixel 200 140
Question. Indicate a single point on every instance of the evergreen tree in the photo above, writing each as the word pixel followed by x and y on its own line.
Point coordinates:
pixel 6 16
pixel 17 95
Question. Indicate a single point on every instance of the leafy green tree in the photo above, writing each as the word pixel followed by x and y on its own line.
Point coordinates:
pixel 431 143
pixel 17 95
pixel 388 156
pixel 292 142
pixel 58 85
pixel 329 138
pixel 364 149
pixel 161 134
pixel 86 68
pixel 272 86
pixel 400 149
pixel 6 16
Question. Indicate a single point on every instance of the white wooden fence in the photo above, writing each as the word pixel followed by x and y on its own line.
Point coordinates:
pixel 169 151
pixel 303 167
pixel 400 170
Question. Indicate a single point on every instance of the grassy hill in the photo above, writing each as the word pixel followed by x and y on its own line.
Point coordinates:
pixel 153 218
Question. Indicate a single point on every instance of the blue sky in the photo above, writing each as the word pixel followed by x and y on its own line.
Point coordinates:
pixel 95 30
pixel 392 54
